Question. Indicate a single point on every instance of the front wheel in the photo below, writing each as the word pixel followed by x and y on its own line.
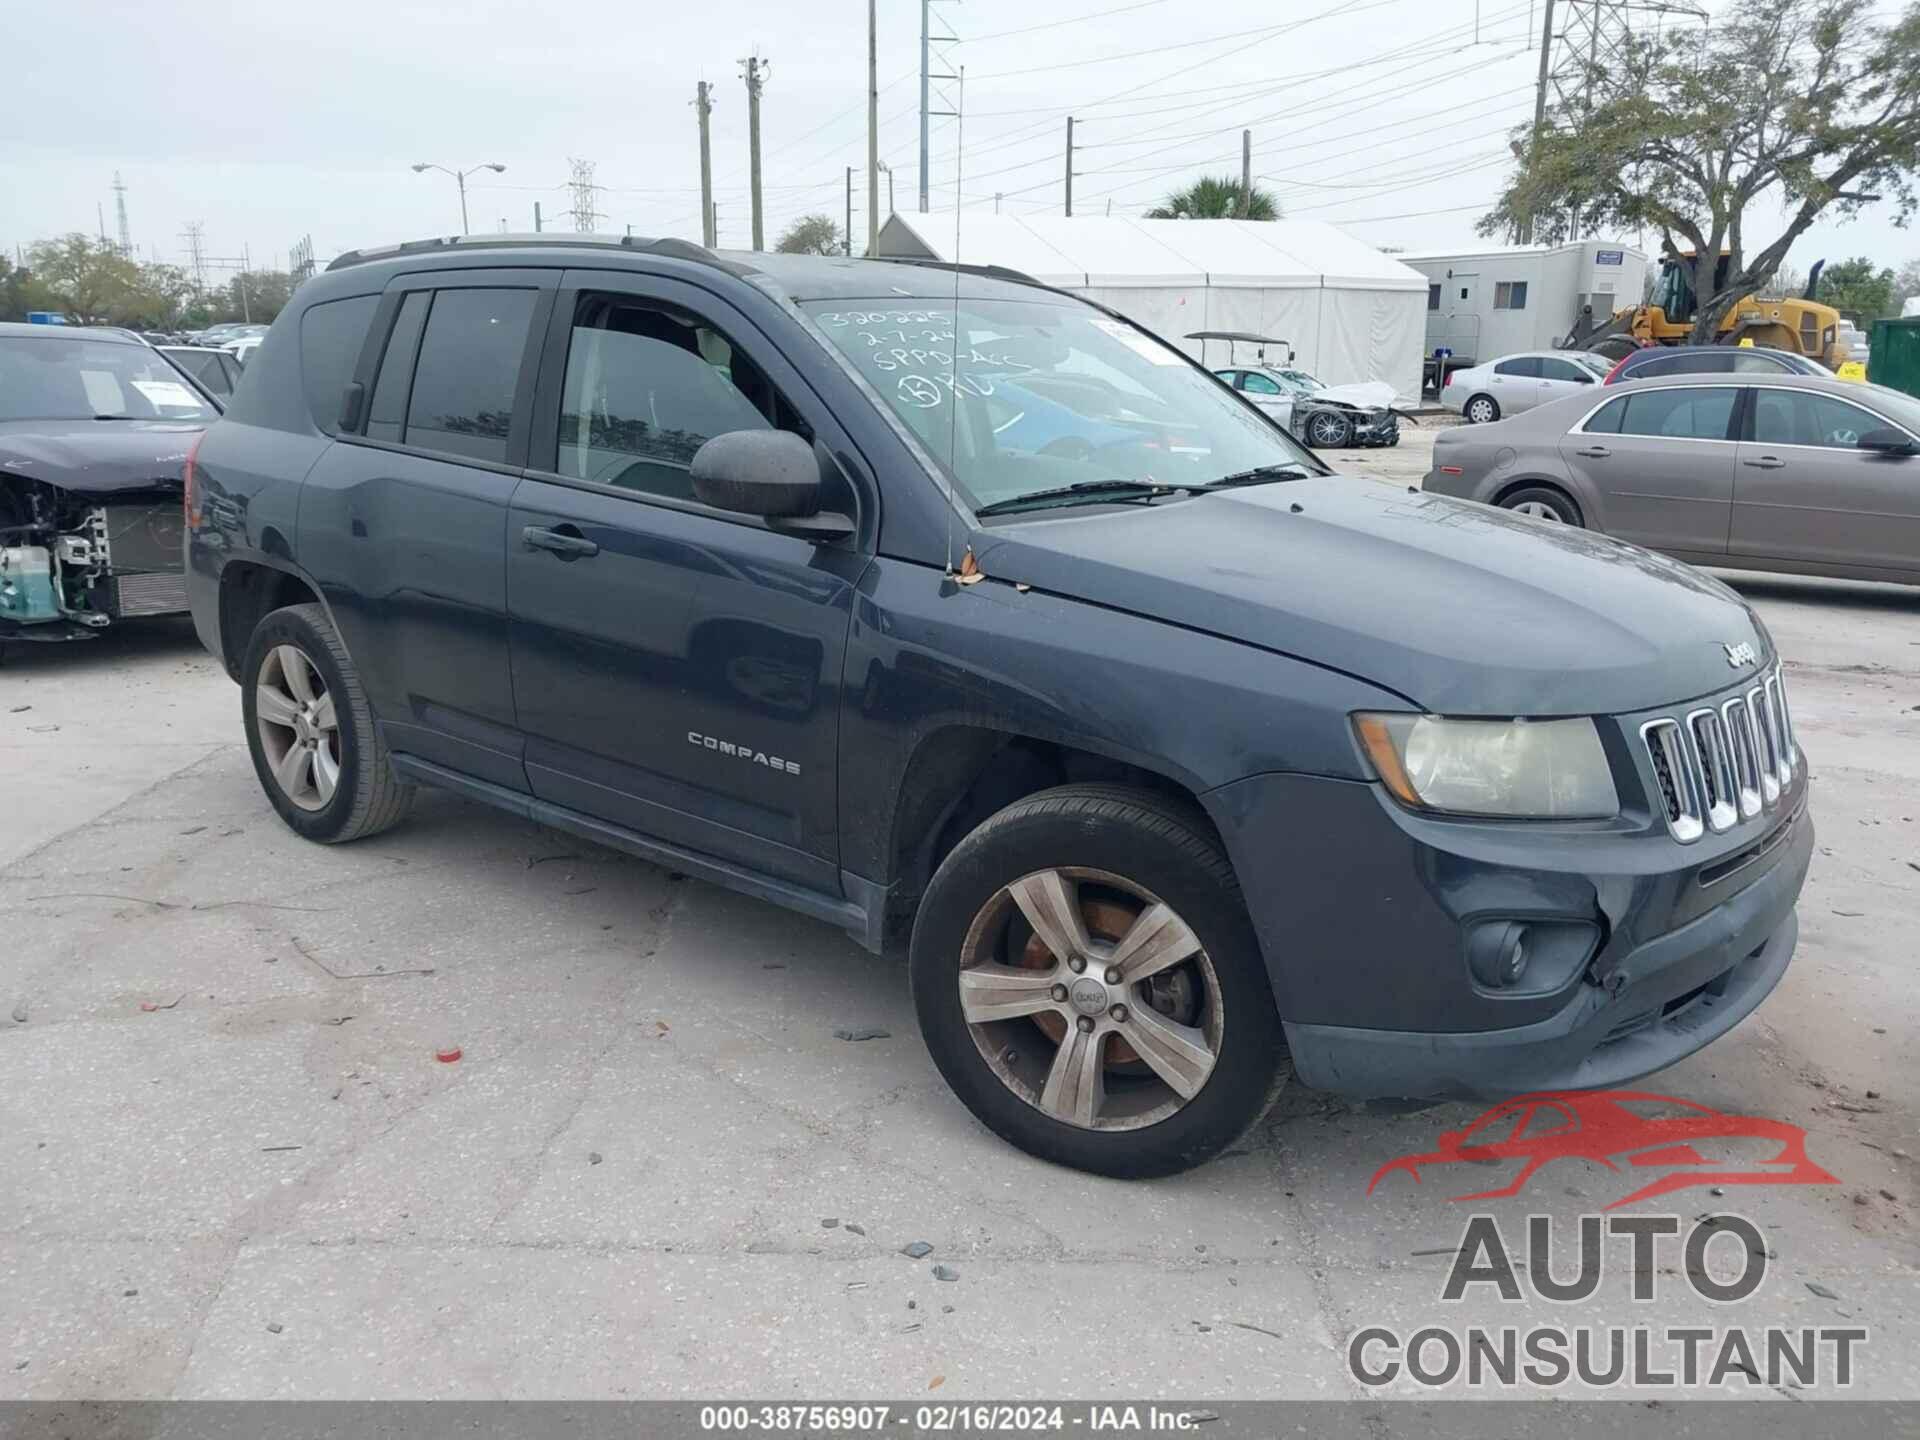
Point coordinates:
pixel 1088 982
pixel 1329 430
pixel 311 732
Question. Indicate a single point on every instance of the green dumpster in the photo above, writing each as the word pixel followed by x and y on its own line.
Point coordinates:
pixel 1895 358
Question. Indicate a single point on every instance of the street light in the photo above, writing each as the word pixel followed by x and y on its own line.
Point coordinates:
pixel 460 179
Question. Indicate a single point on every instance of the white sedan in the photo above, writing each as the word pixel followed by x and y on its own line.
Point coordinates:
pixel 1485 393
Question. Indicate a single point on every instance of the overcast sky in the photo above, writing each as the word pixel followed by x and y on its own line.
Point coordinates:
pixel 267 122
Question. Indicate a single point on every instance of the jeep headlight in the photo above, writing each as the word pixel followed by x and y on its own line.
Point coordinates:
pixel 1536 769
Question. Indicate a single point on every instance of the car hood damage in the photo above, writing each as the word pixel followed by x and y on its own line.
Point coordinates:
pixel 1364 395
pixel 96 457
pixel 1462 609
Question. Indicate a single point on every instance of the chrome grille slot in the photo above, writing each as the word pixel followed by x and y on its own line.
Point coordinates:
pixel 1678 772
pixel 1715 762
pixel 1724 763
pixel 1744 740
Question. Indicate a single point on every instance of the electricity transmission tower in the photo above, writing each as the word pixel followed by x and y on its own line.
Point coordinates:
pixel 195 236
pixel 936 63
pixel 580 182
pixel 120 214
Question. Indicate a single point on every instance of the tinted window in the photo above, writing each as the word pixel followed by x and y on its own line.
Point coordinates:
pixel 1261 385
pixel 331 335
pixel 1790 417
pixel 1691 414
pixel 1606 420
pixel 1510 295
pixel 1527 367
pixel 469 365
pixel 1752 362
pixel 388 412
pixel 645 388
pixel 1551 369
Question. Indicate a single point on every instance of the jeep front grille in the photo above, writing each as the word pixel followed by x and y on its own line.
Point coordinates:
pixel 1720 766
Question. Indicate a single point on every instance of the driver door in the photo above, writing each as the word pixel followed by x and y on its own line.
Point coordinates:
pixel 676 668
pixel 1805 491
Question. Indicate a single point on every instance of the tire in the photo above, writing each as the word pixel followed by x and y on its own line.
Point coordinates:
pixel 363 796
pixel 1329 430
pixel 1114 853
pixel 1544 502
pixel 1481 410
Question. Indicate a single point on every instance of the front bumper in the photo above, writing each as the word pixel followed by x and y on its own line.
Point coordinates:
pixel 1682 991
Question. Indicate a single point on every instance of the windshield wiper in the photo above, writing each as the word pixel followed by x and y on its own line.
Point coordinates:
pixel 1091 490
pixel 1260 474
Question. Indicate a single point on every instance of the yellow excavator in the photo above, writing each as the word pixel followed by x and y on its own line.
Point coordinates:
pixel 1802 324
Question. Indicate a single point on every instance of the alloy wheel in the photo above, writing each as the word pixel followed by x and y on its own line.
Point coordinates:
pixel 1091 999
pixel 298 727
pixel 1328 430
pixel 1540 510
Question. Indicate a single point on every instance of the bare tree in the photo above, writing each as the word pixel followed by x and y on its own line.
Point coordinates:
pixel 1810 104
pixel 813 235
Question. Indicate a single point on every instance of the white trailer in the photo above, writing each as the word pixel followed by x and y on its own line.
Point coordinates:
pixel 1482 304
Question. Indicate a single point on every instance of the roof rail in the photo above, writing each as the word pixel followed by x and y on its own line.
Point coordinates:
pixel 678 249
pixel 986 272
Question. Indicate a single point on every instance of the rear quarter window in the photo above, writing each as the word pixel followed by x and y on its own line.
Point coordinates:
pixel 331 334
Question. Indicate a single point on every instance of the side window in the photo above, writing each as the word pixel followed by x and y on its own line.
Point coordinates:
pixel 1749 362
pixel 331 335
pixel 1606 420
pixel 1797 417
pixel 646 386
pixel 1228 377
pixel 1510 295
pixel 1261 385
pixel 1527 367
pixel 386 416
pixel 1691 414
pixel 469 365
pixel 1552 369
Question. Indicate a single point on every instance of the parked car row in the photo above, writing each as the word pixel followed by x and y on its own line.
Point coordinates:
pixel 1517 383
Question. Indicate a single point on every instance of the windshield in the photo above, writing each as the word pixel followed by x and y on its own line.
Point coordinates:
pixel 1299 381
pixel 77 379
pixel 1048 396
pixel 1598 364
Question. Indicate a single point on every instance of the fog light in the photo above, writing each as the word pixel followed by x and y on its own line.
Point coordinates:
pixel 1498 954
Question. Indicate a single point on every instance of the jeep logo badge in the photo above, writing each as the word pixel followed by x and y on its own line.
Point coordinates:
pixel 1741 654
pixel 1088 995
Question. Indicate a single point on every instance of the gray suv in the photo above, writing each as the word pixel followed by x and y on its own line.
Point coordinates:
pixel 964 614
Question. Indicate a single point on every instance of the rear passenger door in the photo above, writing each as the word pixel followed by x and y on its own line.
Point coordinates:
pixel 1805 490
pixel 1661 460
pixel 677 667
pixel 404 521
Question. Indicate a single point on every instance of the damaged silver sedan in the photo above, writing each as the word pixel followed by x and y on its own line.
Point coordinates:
pixel 95 429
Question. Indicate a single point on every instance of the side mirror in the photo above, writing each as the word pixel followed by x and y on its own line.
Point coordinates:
pixel 1888 441
pixel 770 473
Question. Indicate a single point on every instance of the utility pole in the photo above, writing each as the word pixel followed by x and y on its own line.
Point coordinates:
pixel 756 73
pixel 1539 107
pixel 703 104
pixel 536 217
pixel 1246 174
pixel 846 237
pixel 926 15
pixel 873 129
pixel 1069 164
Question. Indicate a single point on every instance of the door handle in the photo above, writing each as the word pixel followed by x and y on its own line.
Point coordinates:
pixel 1765 462
pixel 564 541
pixel 1594 452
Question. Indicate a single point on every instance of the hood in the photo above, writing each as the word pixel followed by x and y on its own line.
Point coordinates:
pixel 1461 608
pixel 1368 394
pixel 97 457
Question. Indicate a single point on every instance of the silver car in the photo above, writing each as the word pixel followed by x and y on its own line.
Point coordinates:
pixel 1516 383
pixel 1758 472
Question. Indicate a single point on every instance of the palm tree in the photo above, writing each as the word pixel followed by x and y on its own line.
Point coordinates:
pixel 1215 197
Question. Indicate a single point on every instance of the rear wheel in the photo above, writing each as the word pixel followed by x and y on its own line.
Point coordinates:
pixel 1482 410
pixel 1543 502
pixel 311 732
pixel 1088 982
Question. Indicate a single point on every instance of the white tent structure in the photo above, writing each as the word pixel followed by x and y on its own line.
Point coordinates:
pixel 1350 312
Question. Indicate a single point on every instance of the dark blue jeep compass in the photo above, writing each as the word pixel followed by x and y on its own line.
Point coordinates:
pixel 946 607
